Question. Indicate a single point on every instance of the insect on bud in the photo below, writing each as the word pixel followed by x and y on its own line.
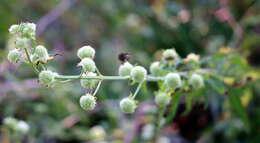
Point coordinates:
pixel 88 102
pixel 138 74
pixel 14 55
pixel 88 83
pixel 155 69
pixel 196 81
pixel 162 99
pixel 125 69
pixel 88 65
pixel 86 52
pixel 46 77
pixel 173 80
pixel 128 105
pixel 169 54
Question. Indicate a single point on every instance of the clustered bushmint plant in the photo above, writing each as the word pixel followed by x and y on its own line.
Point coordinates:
pixel 163 71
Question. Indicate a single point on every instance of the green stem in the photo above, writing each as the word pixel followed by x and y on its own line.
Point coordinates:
pixel 138 89
pixel 158 123
pixel 30 61
pixel 97 88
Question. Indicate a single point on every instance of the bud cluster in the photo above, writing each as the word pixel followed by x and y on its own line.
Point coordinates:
pixel 15 125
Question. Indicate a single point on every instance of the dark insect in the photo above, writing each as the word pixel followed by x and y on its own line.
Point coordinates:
pixel 123 57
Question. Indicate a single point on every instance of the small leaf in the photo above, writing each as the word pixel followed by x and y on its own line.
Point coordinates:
pixel 174 106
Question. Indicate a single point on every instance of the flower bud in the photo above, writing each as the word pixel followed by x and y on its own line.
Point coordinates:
pixel 22 43
pixel 173 80
pixel 88 83
pixel 87 102
pixel 86 52
pixel 13 29
pixel 22 127
pixel 14 55
pixel 125 69
pixel 155 69
pixel 88 65
pixel 42 53
pixel 46 77
pixel 127 105
pixel 192 57
pixel 196 81
pixel 162 99
pixel 28 30
pixel 169 54
pixel 10 122
pixel 138 74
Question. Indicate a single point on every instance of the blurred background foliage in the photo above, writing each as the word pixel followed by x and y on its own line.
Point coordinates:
pixel 212 28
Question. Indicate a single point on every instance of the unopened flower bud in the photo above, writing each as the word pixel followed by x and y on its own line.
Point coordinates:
pixel 14 29
pixel 155 69
pixel 88 83
pixel 162 99
pixel 86 52
pixel 169 54
pixel 87 102
pixel 22 43
pixel 196 81
pixel 14 55
pixel 125 69
pixel 46 77
pixel 88 65
pixel 138 73
pixel 127 105
pixel 42 53
pixel 173 80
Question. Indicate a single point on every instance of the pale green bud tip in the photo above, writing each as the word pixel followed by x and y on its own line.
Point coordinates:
pixel 169 54
pixel 125 69
pixel 46 77
pixel 138 73
pixel 86 52
pixel 88 65
pixel 13 29
pixel 127 105
pixel 14 55
pixel 41 51
pixel 155 68
pixel 87 102
pixel 88 83
pixel 22 43
pixel 162 99
pixel 173 80
pixel 10 122
pixel 196 81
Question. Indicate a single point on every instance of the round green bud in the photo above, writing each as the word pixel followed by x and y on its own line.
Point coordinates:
pixel 28 30
pixel 22 43
pixel 13 29
pixel 86 52
pixel 162 99
pixel 87 102
pixel 125 69
pixel 42 53
pixel 22 127
pixel 88 65
pixel 169 54
pixel 10 122
pixel 173 80
pixel 127 105
pixel 138 73
pixel 46 77
pixel 88 83
pixel 196 81
pixel 155 69
pixel 14 55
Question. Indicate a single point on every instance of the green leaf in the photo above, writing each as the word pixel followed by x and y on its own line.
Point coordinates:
pixel 174 106
pixel 237 107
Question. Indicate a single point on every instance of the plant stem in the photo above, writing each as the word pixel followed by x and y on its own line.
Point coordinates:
pixel 97 88
pixel 158 123
pixel 30 61
pixel 138 89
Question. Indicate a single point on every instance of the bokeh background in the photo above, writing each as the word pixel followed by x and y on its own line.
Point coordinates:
pixel 142 28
